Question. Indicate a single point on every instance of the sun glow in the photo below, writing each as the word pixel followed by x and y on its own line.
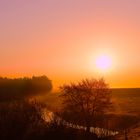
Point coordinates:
pixel 103 62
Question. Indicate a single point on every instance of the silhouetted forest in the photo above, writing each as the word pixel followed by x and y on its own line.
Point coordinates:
pixel 18 88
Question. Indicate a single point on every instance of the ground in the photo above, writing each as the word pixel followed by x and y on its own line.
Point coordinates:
pixel 126 103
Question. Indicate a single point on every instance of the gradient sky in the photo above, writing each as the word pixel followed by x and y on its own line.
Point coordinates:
pixel 62 38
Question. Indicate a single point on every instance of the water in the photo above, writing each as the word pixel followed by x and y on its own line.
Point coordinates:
pixel 100 132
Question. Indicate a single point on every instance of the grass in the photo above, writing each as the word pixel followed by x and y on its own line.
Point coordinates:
pixel 126 101
pixel 126 112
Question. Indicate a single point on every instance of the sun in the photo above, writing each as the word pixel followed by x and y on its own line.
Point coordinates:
pixel 103 62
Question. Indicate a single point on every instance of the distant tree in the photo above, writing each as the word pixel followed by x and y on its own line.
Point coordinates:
pixel 41 84
pixel 85 100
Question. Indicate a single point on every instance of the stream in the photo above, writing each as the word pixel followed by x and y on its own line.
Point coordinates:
pixel 100 132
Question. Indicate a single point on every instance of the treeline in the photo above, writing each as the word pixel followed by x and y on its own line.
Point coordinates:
pixel 22 87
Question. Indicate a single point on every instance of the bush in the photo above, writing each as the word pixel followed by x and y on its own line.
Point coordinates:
pixel 19 118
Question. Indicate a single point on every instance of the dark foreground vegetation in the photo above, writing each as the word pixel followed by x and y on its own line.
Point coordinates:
pixel 87 103
pixel 23 120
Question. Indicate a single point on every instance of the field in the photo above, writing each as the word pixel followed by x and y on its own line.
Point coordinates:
pixel 125 101
pixel 124 116
pixel 126 110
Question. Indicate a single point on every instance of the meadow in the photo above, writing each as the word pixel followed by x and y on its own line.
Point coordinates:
pixel 124 116
pixel 125 100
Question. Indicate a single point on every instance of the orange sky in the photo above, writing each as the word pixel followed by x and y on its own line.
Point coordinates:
pixel 62 39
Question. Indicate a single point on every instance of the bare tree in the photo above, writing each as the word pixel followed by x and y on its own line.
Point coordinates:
pixel 85 100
